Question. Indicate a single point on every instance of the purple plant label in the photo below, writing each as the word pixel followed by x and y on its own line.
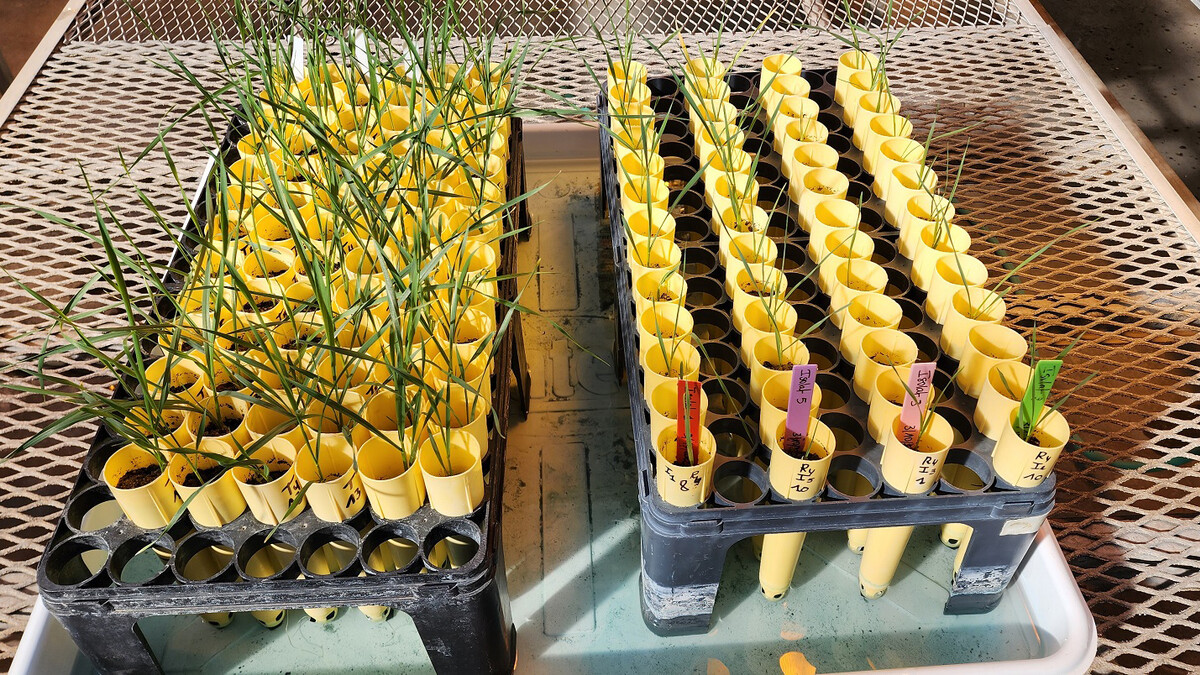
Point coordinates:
pixel 1045 372
pixel 916 399
pixel 799 410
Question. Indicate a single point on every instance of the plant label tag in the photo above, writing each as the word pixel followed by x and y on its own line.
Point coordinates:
pixel 361 57
pixel 687 423
pixel 916 399
pixel 298 57
pixel 1036 394
pixel 799 410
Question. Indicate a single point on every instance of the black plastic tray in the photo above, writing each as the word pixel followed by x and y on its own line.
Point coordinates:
pixel 683 549
pixel 462 614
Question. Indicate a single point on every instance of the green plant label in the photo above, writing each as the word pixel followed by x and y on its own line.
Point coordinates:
pixel 1036 394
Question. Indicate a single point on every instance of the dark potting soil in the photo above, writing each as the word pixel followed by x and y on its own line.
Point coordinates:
pixel 777 366
pixel 180 388
pixel 206 476
pixel 229 385
pixel 665 297
pixel 221 427
pixel 799 452
pixel 273 472
pixel 137 478
pixel 682 456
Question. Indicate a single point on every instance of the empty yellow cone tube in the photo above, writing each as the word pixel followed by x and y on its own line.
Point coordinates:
pixel 881 556
pixel 954 534
pixel 797 479
pixel 911 472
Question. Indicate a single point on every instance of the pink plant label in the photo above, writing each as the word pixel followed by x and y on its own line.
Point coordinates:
pixel 687 424
pixel 799 411
pixel 916 399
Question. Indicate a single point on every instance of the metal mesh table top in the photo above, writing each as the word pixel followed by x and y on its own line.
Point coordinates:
pixel 1040 161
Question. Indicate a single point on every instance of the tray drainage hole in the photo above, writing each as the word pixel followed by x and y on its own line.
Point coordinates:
pixel 76 561
pixel 965 472
pixel 690 230
pixel 851 483
pixel 870 221
pixel 733 436
pixel 331 557
pixel 706 292
pixel 447 549
pixel 853 476
pixel 736 482
pixel 718 360
pixel 839 143
pixel 927 347
pixel 942 382
pixel 686 203
pixel 393 554
pixel 808 316
pixel 958 423
pixel 962 477
pixel 725 396
pixel 800 288
pixel 911 315
pixel 897 287
pixel 201 557
pixel 709 324
pixel 698 262
pixel 93 510
pixel 139 560
pixel 792 257
pixel 835 393
pixel 847 431
pixel 822 353
pixel 884 252
pixel 780 225
pixel 264 559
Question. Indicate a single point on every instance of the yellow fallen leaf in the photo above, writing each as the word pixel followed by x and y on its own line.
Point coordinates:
pixel 716 667
pixel 794 663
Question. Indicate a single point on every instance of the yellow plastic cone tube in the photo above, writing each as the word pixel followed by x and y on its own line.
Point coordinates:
pixel 278 500
pixel 883 349
pixel 1027 463
pixel 774 354
pixel 912 472
pixel 149 506
pixel 865 313
pixel 987 345
pixel 797 479
pixel 777 390
pixel 395 488
pixel 968 308
pixel 212 504
pixel 680 485
pixel 1002 391
pixel 664 407
pixel 450 465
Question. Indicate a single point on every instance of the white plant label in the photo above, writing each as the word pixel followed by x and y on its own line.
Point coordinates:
pixel 298 57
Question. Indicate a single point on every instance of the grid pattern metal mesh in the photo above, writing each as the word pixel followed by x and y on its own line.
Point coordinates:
pixel 142 20
pixel 1041 161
